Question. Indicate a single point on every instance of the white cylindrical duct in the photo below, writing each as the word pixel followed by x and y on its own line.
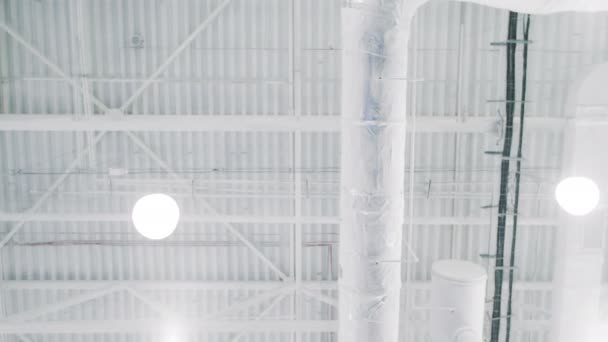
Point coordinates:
pixel 374 52
pixel 458 290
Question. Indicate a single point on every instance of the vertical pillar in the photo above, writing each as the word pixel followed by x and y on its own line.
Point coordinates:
pixel 374 52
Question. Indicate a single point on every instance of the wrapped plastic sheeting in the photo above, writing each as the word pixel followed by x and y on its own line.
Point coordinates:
pixel 372 178
pixel 458 290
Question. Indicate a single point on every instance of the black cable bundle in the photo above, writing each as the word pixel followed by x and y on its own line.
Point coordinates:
pixel 518 174
pixel 504 178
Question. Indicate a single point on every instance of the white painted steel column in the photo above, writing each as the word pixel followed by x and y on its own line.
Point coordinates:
pixel 374 40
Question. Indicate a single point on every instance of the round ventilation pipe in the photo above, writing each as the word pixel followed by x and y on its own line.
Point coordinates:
pixel 458 290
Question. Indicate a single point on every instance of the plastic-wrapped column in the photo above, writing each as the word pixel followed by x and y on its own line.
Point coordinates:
pixel 457 301
pixel 374 46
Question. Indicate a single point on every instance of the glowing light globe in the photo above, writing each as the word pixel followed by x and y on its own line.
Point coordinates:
pixel 577 195
pixel 155 216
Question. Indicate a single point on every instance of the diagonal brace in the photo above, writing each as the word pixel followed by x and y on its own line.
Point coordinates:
pixel 38 204
pixel 209 209
pixel 175 54
pixel 56 69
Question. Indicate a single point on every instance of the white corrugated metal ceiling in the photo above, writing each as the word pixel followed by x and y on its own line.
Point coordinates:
pixel 246 194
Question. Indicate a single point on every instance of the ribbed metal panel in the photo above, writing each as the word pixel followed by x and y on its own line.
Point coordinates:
pixel 452 41
pixel 256 58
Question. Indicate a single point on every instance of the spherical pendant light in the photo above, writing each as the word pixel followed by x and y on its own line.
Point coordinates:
pixel 577 195
pixel 155 216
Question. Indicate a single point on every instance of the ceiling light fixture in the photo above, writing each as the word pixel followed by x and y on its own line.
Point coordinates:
pixel 155 216
pixel 577 195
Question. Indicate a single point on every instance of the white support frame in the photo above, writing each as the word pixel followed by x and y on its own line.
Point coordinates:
pixel 153 304
pixel 63 304
pixel 24 217
pixel 38 204
pixel 320 297
pixel 56 69
pixel 259 299
pixel 201 27
pixel 261 315
pixel 273 291
pixel 103 124
pixel 152 285
pixel 210 210
pixel 155 327
pixel 277 290
pixel 258 123
pixel 78 18
pixel 180 285
pixel 217 218
pixel 214 14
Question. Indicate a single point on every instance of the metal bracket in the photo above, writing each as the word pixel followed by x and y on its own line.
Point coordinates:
pixel 511 42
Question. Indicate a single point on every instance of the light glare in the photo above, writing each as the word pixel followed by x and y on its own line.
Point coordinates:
pixel 155 216
pixel 577 195
pixel 173 330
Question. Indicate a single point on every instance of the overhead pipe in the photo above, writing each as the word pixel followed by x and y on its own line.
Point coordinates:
pixel 374 68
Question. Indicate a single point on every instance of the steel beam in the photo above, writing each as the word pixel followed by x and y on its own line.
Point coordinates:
pixel 152 285
pixel 258 123
pixel 166 123
pixel 62 304
pixel 154 327
pixel 184 285
pixel 125 217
